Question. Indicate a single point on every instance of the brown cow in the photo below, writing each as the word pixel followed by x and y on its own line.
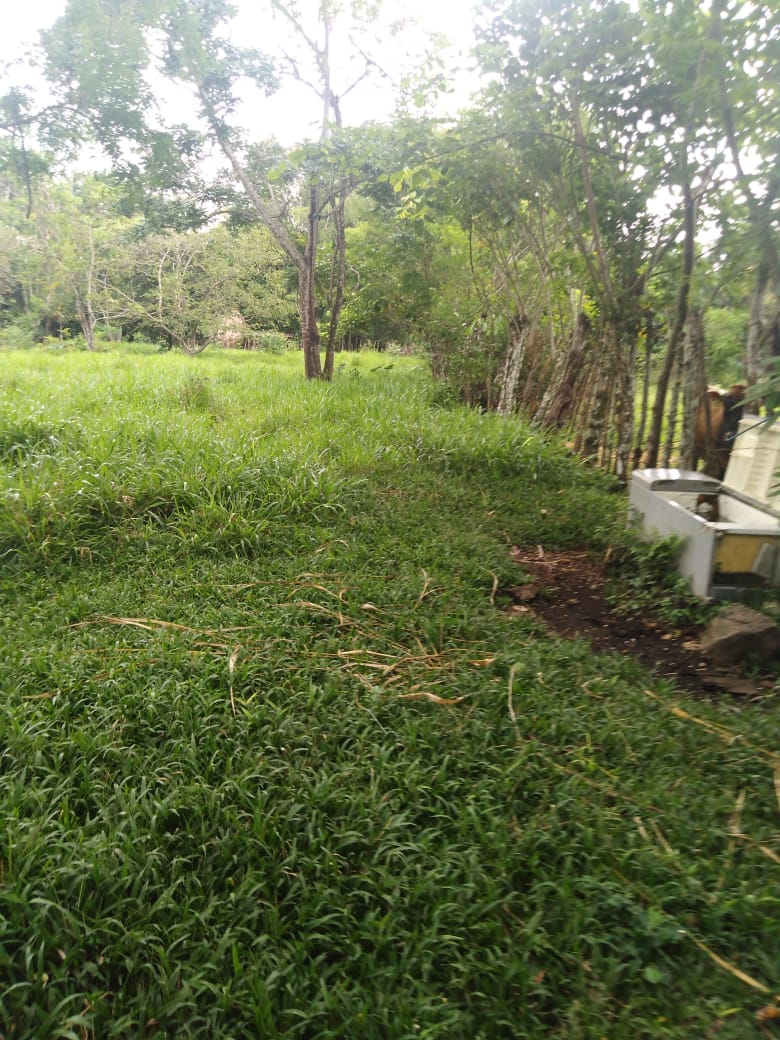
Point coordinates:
pixel 716 427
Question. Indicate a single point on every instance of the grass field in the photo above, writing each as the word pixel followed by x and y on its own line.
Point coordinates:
pixel 273 763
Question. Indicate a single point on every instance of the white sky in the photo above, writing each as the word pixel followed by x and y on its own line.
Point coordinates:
pixel 291 115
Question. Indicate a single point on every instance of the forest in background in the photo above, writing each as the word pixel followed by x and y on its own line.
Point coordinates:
pixel 591 242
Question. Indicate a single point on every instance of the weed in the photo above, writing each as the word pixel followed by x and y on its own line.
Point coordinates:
pixel 644 578
pixel 276 342
pixel 194 394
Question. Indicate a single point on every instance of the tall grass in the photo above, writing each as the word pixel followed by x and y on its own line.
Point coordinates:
pixel 273 763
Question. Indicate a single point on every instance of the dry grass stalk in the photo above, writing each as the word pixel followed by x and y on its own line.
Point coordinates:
pixel 494 590
pixel 430 696
pixel 510 688
pixel 643 833
pixel 231 669
pixel 727 965
pixel 425 588
pixel 736 816
pixel 337 614
pixel 155 624
pixel 734 822
pixel 662 839
pixel 726 735
pixel 769 853
pixel 361 653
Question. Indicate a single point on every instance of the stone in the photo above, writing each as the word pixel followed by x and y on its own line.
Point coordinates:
pixel 726 682
pixel 738 632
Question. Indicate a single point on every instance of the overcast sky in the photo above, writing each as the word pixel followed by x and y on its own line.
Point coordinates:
pixel 292 114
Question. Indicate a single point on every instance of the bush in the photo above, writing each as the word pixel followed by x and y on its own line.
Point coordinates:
pixel 19 334
pixel 644 578
pixel 276 342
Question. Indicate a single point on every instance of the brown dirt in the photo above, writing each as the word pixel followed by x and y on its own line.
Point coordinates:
pixel 566 592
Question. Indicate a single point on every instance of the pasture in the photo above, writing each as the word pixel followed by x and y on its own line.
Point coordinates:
pixel 274 764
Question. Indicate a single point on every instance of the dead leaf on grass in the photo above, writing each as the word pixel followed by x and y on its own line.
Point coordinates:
pixel 524 593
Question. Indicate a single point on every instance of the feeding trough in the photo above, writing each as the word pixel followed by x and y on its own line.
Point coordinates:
pixel 730 530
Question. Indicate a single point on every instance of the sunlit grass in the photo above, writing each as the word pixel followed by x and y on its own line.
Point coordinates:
pixel 275 765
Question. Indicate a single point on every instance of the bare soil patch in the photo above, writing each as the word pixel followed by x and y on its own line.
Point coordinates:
pixel 566 592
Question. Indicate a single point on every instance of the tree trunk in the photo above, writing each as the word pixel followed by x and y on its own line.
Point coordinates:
pixel 595 427
pixel 672 351
pixel 694 388
pixel 84 301
pixel 310 335
pixel 561 408
pixel 585 402
pixel 754 356
pixel 338 279
pixel 513 363
pixel 87 320
pixel 647 368
pixel 625 406
pixel 303 261
pixel 674 408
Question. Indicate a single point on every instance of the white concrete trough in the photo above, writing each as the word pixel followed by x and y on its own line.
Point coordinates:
pixel 731 530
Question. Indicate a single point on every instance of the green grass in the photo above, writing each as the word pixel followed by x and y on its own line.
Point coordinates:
pixel 274 765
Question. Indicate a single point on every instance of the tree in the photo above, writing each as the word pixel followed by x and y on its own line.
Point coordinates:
pixel 589 121
pixel 188 288
pixel 63 253
pixel 185 41
pixel 748 56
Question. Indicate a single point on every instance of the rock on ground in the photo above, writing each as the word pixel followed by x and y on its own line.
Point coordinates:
pixel 738 632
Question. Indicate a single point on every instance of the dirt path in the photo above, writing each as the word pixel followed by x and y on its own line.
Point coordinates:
pixel 567 593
